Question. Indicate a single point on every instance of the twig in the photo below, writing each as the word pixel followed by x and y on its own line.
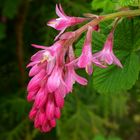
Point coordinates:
pixel 19 25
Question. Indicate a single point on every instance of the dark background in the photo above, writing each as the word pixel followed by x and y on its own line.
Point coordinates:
pixel 87 115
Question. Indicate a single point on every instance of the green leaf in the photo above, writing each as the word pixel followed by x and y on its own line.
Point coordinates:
pixel 127 39
pixel 114 79
pixel 125 2
pixel 130 2
pixel 105 5
pixel 78 46
pixel 78 114
pixel 14 113
pixel 99 137
pixel 10 8
pixel 17 132
pixel 114 138
pixel 127 35
pixel 118 106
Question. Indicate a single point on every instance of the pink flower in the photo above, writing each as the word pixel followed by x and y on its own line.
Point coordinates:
pixel 106 55
pixel 53 69
pixel 85 59
pixel 67 35
pixel 55 79
pixel 45 88
pixel 51 81
pixel 63 21
pixel 70 75
pixel 45 116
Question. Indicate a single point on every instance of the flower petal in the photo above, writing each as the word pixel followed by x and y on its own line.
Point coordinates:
pixel 57 112
pixel 89 69
pixel 39 46
pixel 40 98
pixel 54 80
pixel 32 63
pixel 117 61
pixel 59 99
pixel 80 79
pixel 50 108
pixel 61 32
pixel 59 11
pixel 37 56
pixel 52 23
pixel 50 66
pixel 35 81
pixel 62 11
pixel 68 35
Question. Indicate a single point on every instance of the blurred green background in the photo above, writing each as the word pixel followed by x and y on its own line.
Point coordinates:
pixel 87 115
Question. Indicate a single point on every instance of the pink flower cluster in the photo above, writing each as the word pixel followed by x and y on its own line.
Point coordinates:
pixel 53 70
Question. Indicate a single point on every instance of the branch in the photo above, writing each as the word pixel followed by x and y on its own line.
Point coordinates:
pixel 96 21
pixel 19 25
pixel 120 14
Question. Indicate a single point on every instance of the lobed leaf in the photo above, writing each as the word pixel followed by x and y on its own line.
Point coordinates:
pixel 130 2
pixel 114 79
pixel 104 5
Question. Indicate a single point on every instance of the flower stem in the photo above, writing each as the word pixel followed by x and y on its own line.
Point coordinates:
pixel 128 13
pixel 96 21
pixel 102 18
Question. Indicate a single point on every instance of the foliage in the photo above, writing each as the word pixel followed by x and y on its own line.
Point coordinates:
pixel 78 114
pixel 107 109
pixel 89 111
pixel 101 137
pixel 16 108
pixel 130 2
pixel 105 5
pixel 114 79
pixel 112 5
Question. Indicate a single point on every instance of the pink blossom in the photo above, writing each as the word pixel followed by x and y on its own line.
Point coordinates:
pixel 51 81
pixel 70 76
pixel 43 87
pixel 53 69
pixel 106 55
pixel 67 35
pixel 63 21
pixel 85 59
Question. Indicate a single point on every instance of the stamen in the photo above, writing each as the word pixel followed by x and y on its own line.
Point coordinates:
pixel 46 57
pixel 104 63
pixel 52 22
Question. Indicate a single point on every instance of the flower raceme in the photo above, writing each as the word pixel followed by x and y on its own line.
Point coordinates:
pixel 53 70
pixel 51 81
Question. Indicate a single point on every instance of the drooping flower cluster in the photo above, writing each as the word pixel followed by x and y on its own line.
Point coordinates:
pixel 51 81
pixel 53 70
